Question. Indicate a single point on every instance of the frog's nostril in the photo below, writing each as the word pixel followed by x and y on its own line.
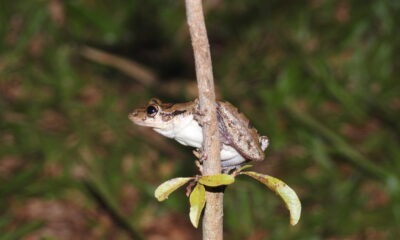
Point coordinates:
pixel 133 114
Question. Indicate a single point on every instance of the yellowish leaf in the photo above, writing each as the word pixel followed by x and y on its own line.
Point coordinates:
pixel 287 194
pixel 244 167
pixel 197 201
pixel 217 180
pixel 166 188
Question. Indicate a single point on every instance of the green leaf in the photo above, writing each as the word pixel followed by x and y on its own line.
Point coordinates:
pixel 217 180
pixel 287 194
pixel 165 189
pixel 197 201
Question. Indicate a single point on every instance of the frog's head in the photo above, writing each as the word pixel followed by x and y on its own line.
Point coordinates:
pixel 161 116
pixel 151 115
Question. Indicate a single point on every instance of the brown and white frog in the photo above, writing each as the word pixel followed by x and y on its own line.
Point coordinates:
pixel 240 141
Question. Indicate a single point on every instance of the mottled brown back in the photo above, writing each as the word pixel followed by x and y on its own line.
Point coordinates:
pixel 238 126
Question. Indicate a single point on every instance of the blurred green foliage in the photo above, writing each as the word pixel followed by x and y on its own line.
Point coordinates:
pixel 320 78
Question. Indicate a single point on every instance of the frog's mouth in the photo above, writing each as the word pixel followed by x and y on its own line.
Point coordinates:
pixel 146 121
pixel 136 119
pixel 133 116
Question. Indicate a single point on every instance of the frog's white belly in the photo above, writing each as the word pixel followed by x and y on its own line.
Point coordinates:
pixel 189 133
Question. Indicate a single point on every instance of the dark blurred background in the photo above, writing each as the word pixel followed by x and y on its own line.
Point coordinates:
pixel 319 77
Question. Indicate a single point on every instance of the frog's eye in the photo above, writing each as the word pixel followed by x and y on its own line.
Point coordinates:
pixel 151 110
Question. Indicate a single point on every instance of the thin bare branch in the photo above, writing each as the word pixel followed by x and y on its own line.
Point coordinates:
pixel 213 214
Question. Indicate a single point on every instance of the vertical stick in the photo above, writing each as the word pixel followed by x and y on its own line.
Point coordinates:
pixel 213 213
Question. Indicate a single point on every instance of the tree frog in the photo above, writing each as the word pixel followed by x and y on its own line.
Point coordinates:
pixel 240 141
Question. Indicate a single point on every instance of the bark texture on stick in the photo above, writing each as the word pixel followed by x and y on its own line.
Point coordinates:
pixel 213 213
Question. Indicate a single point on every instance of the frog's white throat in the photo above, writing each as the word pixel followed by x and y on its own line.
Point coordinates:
pixel 185 130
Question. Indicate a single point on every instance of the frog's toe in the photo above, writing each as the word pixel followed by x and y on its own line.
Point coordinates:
pixel 264 141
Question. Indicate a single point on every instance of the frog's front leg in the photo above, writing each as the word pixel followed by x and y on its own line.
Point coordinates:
pixel 199 117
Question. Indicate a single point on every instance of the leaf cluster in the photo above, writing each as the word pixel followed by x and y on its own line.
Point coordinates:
pixel 197 198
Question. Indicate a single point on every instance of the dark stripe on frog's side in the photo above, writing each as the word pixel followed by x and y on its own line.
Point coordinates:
pixel 167 116
pixel 178 112
pixel 167 105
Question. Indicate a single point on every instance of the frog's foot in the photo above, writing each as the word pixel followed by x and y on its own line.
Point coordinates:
pixel 264 141
pixel 197 153
pixel 200 154
pixel 199 166
pixel 201 157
